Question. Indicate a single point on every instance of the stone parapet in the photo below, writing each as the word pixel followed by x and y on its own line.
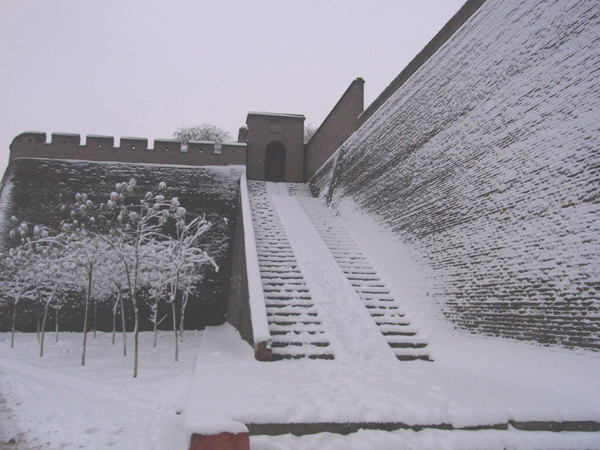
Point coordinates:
pixel 33 144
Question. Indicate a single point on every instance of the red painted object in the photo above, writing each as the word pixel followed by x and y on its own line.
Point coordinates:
pixel 222 441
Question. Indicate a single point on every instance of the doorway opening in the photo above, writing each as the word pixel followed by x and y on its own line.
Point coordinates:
pixel 275 162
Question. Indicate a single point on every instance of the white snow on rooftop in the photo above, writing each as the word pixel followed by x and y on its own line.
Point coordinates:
pixel 256 113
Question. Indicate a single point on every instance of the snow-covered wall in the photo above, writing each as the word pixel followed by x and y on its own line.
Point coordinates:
pixel 34 189
pixel 485 165
pixel 32 144
pixel 340 123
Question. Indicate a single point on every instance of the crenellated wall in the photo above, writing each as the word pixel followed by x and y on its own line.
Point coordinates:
pixel 130 150
pixel 481 174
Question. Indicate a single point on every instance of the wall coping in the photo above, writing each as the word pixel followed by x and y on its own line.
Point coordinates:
pixel 34 144
pixel 258 309
pixel 447 31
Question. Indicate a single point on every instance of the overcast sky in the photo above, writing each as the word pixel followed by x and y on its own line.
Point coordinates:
pixel 145 67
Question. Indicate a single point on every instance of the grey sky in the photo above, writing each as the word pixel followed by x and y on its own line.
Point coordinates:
pixel 144 68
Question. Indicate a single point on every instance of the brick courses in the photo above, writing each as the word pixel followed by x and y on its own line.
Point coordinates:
pixel 487 162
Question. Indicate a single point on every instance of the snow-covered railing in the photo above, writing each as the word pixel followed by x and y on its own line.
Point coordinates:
pixel 258 310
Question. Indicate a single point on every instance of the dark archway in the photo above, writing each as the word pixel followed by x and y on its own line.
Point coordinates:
pixel 275 162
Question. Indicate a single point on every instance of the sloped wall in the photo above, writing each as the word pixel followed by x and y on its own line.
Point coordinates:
pixel 486 163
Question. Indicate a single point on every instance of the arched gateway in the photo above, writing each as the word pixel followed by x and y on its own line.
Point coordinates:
pixel 275 162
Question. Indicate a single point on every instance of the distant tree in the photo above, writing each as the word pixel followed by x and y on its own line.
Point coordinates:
pixel 204 132
pixel 309 132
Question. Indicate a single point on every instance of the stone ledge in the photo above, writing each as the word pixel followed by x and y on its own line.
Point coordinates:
pixel 300 429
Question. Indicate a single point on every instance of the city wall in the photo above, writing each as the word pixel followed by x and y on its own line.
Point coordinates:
pixel 483 171
pixel 339 124
pixel 36 189
pixel 130 150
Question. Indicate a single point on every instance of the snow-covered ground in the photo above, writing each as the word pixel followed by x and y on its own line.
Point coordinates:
pixel 54 403
pixel 429 440
pixel 475 381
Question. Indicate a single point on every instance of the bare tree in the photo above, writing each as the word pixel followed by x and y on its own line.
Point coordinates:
pixel 156 280
pixel 19 281
pixel 204 132
pixel 309 132
pixel 109 250
pixel 183 260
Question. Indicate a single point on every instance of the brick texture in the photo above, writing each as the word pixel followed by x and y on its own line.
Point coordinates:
pixel 34 189
pixel 340 123
pixel 222 441
pixel 131 150
pixel 487 162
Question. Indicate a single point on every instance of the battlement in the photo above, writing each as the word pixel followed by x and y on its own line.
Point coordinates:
pixel 33 144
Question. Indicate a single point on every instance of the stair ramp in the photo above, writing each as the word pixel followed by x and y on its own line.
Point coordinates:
pixel 385 310
pixel 294 323
pixel 294 320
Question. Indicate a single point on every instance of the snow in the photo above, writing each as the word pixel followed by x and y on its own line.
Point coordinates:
pixel 58 404
pixel 219 386
pixel 465 386
pixel 483 165
pixel 5 195
pixel 352 331
pixel 408 276
pixel 430 440
pixel 474 380
pixel 257 113
pixel 258 312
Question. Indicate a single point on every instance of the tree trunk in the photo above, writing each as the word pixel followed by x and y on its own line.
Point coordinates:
pixel 56 311
pixel 155 321
pixel 175 330
pixel 50 297
pixel 37 313
pixel 95 315
pixel 136 331
pixel 85 318
pixel 123 327
pixel 182 316
pixel 114 330
pixel 14 323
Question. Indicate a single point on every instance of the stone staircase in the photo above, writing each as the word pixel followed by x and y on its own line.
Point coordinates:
pixel 400 335
pixel 293 320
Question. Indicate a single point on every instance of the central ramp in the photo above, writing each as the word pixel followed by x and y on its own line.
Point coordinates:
pixel 324 299
pixel 294 323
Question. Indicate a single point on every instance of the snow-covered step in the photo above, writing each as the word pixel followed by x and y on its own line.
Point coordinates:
pixel 385 311
pixel 296 330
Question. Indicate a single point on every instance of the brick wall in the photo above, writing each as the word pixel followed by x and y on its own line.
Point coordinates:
pixel 286 129
pixel 34 189
pixel 339 124
pixel 132 150
pixel 486 164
